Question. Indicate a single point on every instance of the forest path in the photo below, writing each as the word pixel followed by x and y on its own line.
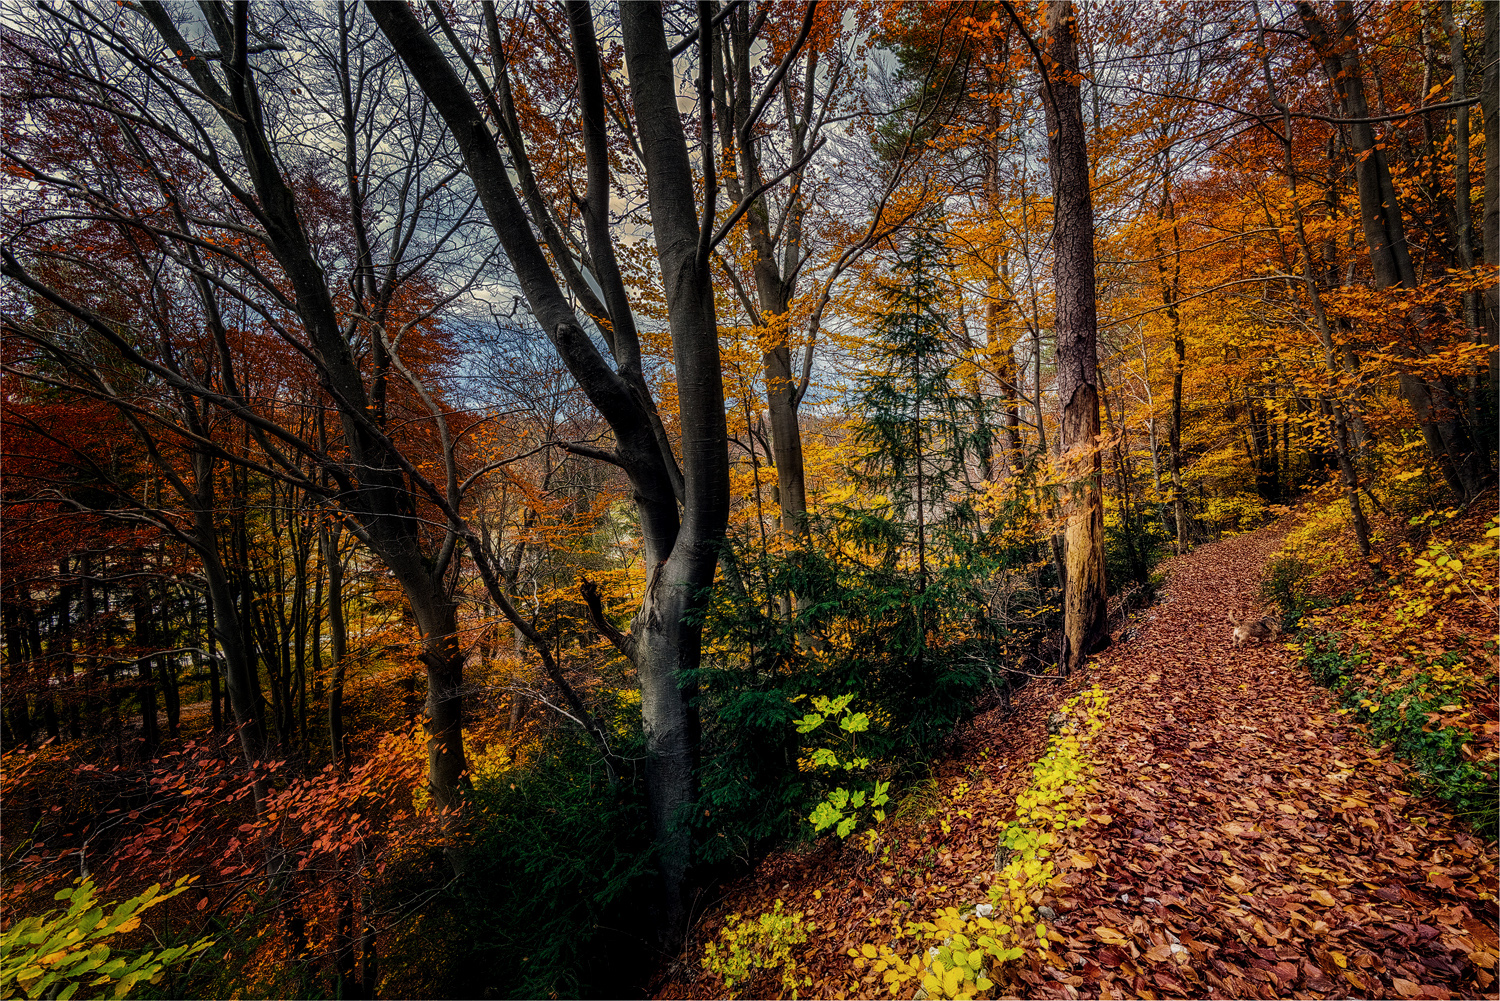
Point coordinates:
pixel 1247 821
pixel 1235 811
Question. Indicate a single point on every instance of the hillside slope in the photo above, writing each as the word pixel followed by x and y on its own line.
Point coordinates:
pixel 1239 838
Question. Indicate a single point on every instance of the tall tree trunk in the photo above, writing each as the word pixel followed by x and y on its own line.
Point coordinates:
pixel 1002 351
pixel 671 641
pixel 337 640
pixel 1084 618
pixel 60 646
pixel 20 671
pixel 1169 295
pixel 229 631
pixel 145 639
pixel 437 622
pixel 1462 225
pixel 216 718
pixel 773 290
pixel 169 675
pixel 1385 237
pixel 665 639
pixel 46 655
pixel 1489 103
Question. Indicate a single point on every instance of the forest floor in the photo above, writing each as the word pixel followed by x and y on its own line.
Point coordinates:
pixel 1244 838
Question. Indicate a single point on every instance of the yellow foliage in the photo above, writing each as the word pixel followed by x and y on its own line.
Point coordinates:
pixel 959 952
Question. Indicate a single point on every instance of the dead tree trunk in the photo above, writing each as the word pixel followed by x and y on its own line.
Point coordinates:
pixel 1084 618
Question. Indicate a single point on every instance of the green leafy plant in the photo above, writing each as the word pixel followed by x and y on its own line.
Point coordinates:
pixel 54 954
pixel 764 943
pixel 1285 584
pixel 840 808
pixel 963 949
pixel 1416 718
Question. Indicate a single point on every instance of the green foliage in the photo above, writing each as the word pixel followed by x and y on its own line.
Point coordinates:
pixel 856 630
pixel 840 807
pixel 916 426
pixel 1133 548
pixel 1411 718
pixel 52 955
pixel 745 947
pixel 557 862
pixel 1286 582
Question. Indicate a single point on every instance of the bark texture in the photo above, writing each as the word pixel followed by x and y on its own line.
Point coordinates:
pixel 1084 619
pixel 1432 400
pixel 681 555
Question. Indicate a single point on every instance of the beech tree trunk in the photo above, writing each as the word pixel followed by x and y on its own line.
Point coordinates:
pixel 224 617
pixel 669 644
pixel 1084 617
pixel 664 639
pixel 775 278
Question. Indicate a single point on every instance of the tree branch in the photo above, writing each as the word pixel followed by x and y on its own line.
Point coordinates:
pixel 624 642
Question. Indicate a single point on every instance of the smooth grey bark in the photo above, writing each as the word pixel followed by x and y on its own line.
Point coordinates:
pixel 775 270
pixel 668 645
pixel 680 556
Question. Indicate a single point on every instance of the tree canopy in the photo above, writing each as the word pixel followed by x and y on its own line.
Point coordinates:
pixel 475 474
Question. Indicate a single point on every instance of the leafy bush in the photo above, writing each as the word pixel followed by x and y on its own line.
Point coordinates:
pixel 557 865
pixel 840 808
pixel 912 655
pixel 53 954
pixel 1415 718
pixel 1285 584
pixel 745 947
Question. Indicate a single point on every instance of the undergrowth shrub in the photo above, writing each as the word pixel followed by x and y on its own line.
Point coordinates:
pixel 847 618
pixel 837 756
pixel 1416 718
pixel 745 948
pixel 1286 586
pixel 1409 648
pixel 557 872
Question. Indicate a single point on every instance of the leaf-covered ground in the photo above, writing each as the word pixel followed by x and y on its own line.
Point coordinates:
pixel 1245 840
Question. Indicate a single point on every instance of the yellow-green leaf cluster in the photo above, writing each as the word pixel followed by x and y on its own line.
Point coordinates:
pixel 763 943
pixel 53 954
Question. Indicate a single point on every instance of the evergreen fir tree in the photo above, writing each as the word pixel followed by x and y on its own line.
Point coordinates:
pixel 919 429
